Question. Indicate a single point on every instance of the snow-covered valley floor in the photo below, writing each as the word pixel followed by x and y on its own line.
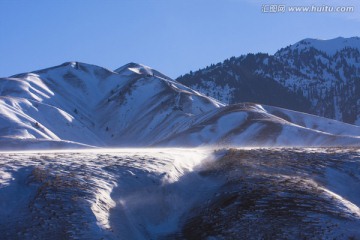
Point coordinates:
pixel 254 193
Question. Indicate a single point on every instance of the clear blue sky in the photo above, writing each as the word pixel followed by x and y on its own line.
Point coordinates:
pixel 172 36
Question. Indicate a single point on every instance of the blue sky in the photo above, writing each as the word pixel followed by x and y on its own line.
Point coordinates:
pixel 172 36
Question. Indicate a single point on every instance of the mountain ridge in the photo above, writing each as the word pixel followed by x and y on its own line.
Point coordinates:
pixel 136 106
pixel 308 79
pixel 330 46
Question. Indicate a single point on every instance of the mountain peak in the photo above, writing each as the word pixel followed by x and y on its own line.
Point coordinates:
pixel 79 66
pixel 140 69
pixel 66 66
pixel 330 46
pixel 136 68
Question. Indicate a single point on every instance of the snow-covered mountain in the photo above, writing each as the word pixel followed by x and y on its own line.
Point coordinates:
pixel 82 105
pixel 329 47
pixel 133 105
pixel 315 76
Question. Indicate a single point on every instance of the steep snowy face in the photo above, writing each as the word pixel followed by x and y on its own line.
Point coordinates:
pixel 54 104
pixel 71 84
pixel 314 76
pixel 148 107
pixel 93 105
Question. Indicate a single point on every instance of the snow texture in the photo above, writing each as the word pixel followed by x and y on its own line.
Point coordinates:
pixel 253 193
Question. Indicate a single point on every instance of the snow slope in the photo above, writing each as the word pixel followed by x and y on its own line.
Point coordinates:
pixel 279 194
pixel 176 193
pixel 77 104
pixel 97 194
pixel 249 124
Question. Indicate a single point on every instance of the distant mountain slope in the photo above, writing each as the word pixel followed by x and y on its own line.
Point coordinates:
pixel 250 124
pixel 236 80
pixel 85 105
pixel 314 76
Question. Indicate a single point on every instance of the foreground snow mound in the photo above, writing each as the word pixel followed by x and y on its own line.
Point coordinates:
pixel 280 194
pixel 111 194
pixel 181 194
pixel 77 104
